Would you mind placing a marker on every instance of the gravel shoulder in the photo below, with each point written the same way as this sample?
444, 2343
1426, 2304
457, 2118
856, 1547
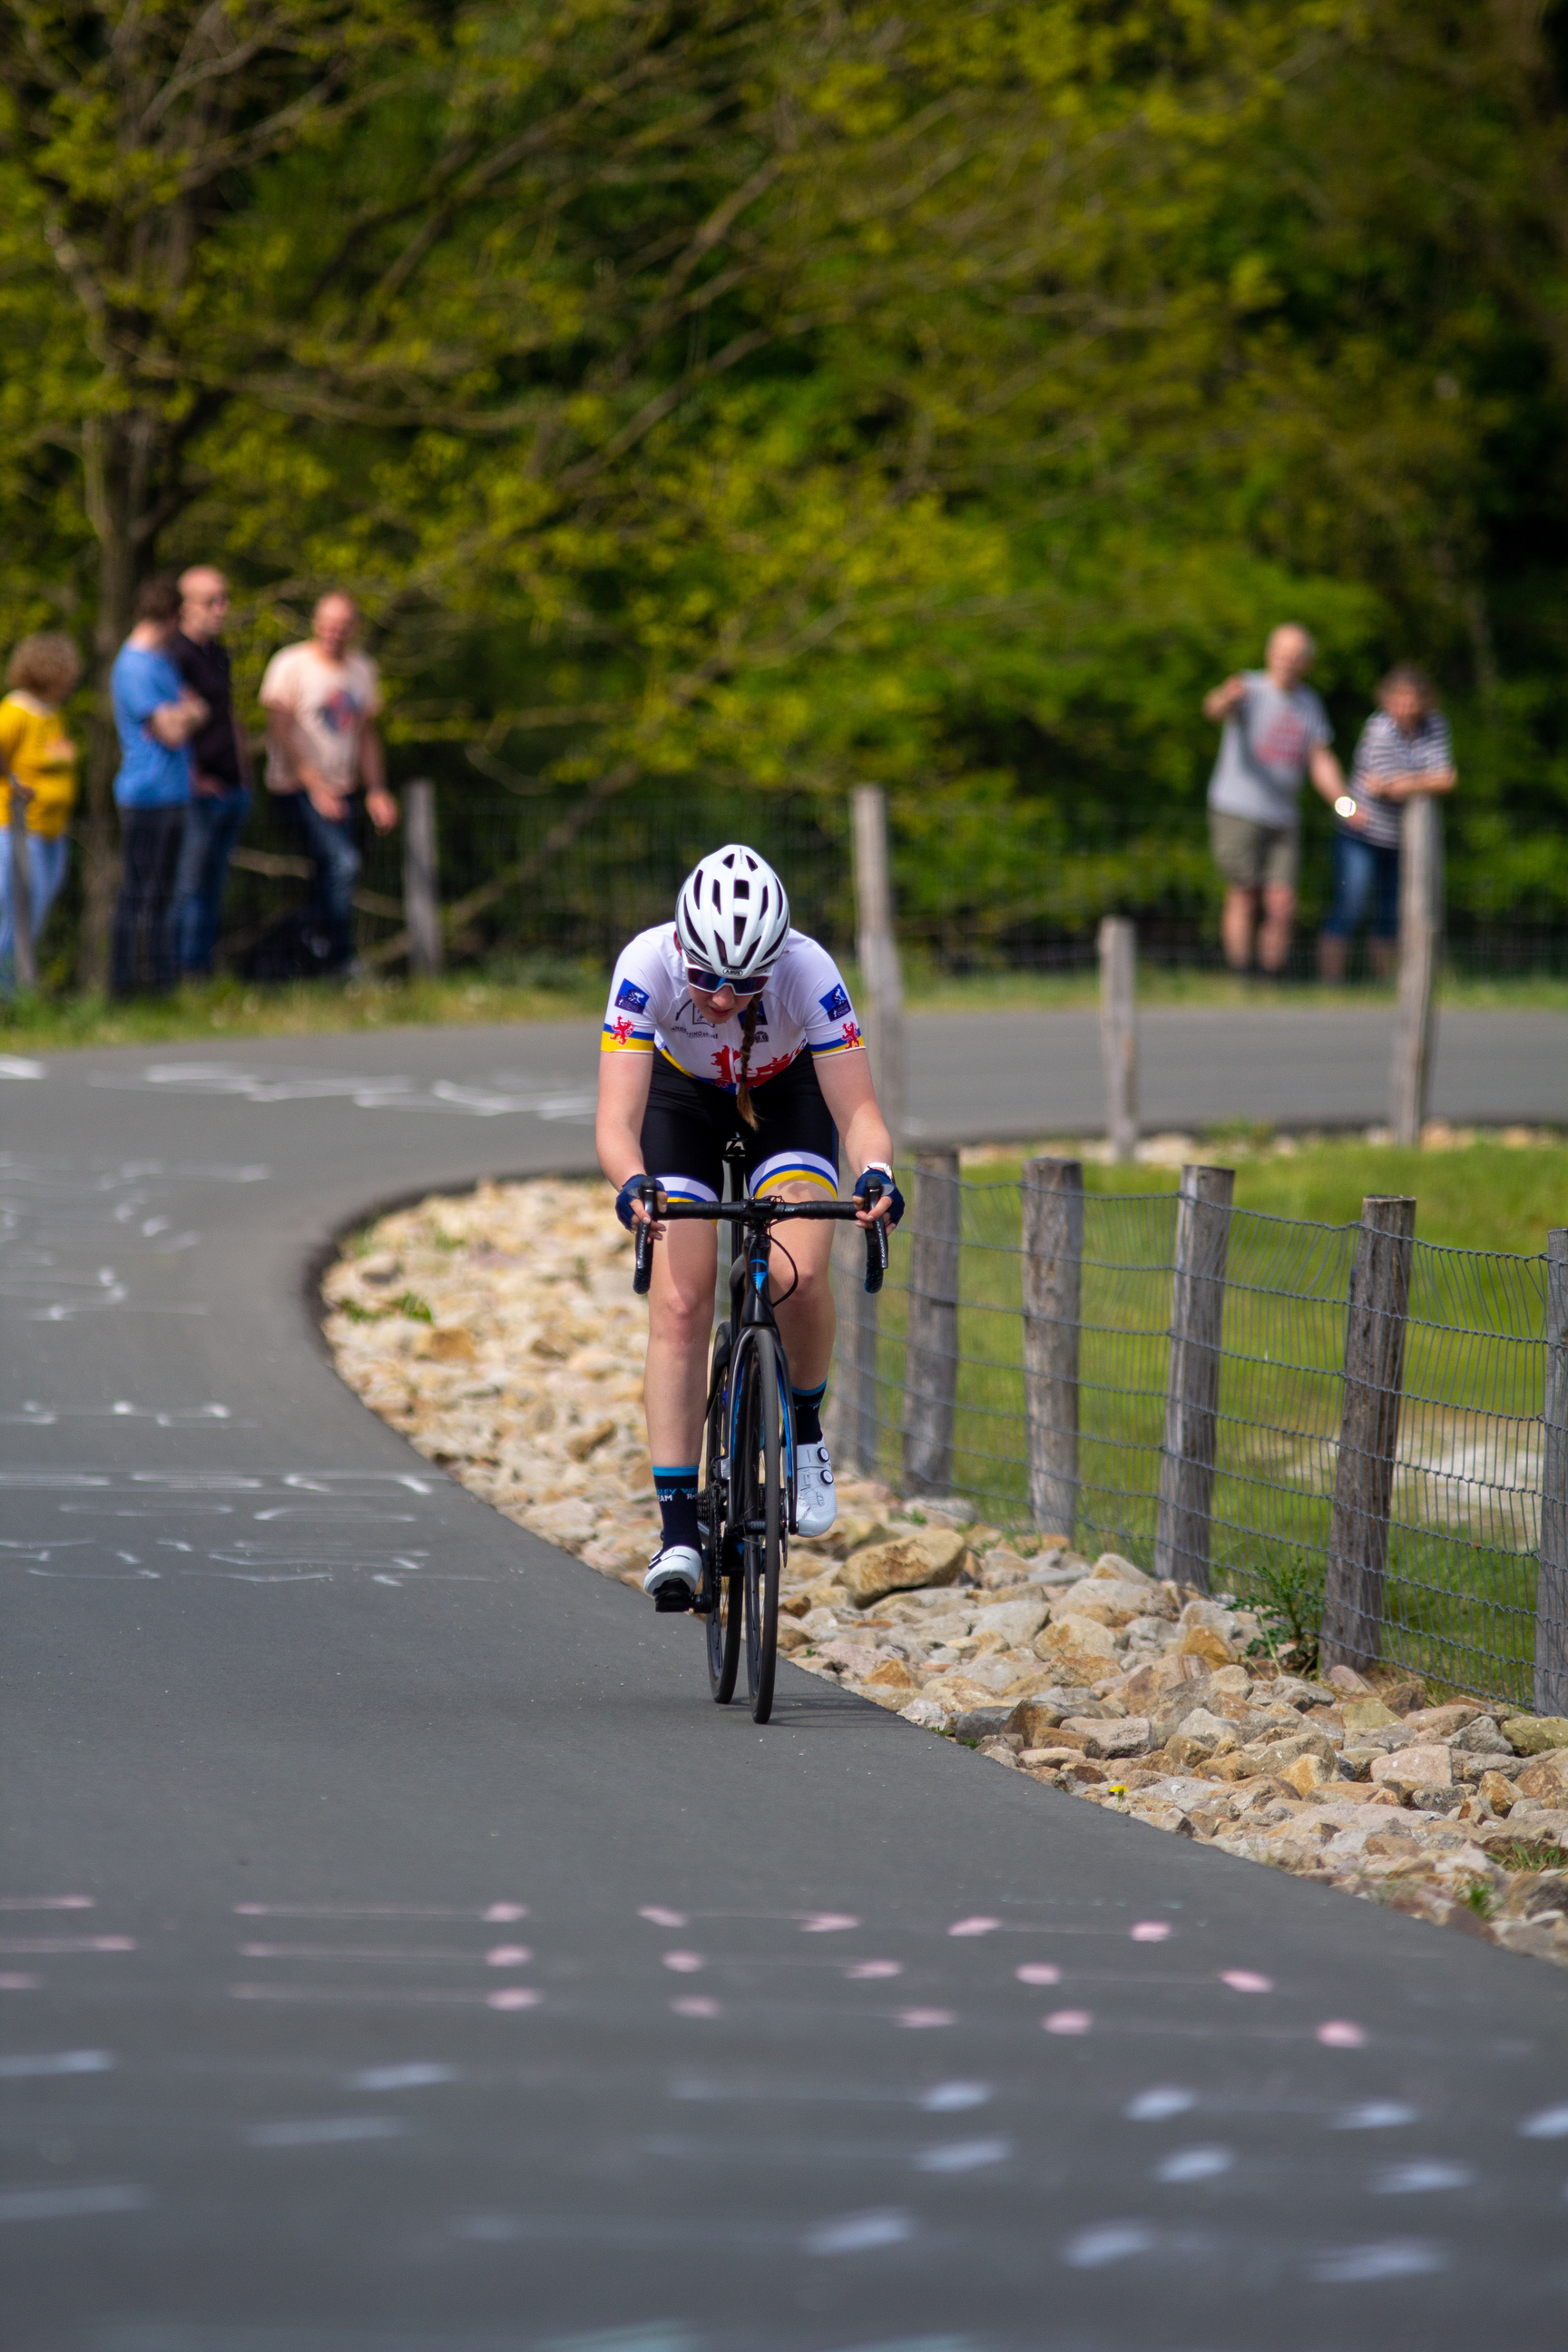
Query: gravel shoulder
498, 1331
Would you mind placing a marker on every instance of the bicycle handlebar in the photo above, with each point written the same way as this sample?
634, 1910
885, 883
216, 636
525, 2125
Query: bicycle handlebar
758, 1212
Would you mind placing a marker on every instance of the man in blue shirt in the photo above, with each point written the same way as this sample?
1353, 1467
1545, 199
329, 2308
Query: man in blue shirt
156, 715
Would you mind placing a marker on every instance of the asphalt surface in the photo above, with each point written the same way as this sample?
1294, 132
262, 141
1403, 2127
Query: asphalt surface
400, 1953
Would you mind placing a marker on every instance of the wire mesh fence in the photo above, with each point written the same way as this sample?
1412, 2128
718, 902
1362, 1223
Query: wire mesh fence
581, 900
1427, 1536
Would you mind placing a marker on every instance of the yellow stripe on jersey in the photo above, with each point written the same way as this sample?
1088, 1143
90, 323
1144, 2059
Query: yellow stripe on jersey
620, 1038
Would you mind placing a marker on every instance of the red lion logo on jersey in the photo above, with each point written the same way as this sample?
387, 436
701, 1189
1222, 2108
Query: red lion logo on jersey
851, 1034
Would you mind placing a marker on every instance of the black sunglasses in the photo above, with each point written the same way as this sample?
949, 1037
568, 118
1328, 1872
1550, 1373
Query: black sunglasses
711, 982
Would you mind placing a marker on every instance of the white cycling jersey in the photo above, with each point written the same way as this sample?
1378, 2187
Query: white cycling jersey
805, 1006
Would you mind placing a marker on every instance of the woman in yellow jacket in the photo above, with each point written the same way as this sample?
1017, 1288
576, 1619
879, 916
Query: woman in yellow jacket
38, 753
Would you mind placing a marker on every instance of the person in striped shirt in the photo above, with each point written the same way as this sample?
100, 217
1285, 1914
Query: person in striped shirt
1405, 749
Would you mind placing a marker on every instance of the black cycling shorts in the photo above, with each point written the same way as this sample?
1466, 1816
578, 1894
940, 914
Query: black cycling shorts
688, 1122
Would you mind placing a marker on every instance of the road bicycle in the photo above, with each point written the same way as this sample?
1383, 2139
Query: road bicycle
746, 1505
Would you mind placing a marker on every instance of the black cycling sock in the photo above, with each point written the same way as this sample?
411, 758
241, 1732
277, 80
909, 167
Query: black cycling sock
675, 1483
808, 1414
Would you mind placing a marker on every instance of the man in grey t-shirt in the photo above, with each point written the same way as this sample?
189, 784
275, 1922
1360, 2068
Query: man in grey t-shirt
1276, 731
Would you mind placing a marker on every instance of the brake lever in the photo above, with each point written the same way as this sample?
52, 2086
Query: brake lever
647, 1193
876, 1241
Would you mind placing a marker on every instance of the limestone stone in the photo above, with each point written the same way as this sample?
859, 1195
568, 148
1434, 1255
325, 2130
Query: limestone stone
927, 1713
1306, 1773
1014, 1622
1076, 1637
1498, 1791
1416, 1767
1533, 1734
1368, 1714
932, 1556
1129, 1737
1546, 1778
1202, 1641
1442, 1722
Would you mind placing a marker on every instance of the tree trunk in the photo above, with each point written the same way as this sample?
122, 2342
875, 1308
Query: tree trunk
112, 470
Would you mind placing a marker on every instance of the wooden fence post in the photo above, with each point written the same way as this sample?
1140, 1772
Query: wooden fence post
1118, 1032
1552, 1575
25, 961
1420, 931
1053, 1273
931, 1358
1369, 1432
881, 980
421, 886
1184, 1530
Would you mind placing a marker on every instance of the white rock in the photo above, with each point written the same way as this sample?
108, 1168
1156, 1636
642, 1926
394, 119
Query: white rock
1017, 1622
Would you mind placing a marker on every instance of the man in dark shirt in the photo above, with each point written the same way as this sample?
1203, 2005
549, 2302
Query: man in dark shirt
220, 763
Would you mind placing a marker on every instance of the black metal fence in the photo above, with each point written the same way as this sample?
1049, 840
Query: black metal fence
1361, 1430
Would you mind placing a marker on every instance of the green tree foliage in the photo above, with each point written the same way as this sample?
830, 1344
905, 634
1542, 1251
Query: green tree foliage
742, 398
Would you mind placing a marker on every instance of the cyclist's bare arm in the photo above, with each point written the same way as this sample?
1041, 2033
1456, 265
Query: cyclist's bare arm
851, 1098
623, 1083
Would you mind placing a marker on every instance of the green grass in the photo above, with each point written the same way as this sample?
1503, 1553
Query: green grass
538, 988
1459, 1603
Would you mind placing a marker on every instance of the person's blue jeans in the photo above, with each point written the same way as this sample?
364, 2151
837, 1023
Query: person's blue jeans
331, 844
48, 855
143, 948
1365, 873
213, 821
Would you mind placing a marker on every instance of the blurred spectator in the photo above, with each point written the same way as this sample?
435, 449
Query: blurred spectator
1405, 749
37, 751
1276, 731
321, 701
157, 714
220, 764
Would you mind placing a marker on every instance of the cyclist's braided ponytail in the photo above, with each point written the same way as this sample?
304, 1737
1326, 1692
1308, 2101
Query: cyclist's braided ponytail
749, 1020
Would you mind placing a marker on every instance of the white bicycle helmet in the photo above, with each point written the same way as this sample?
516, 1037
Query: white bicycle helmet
731, 916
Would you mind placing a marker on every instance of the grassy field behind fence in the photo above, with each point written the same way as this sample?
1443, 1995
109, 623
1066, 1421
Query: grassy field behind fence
1460, 1592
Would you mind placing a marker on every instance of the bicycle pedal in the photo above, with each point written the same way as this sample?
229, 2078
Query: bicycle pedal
672, 1600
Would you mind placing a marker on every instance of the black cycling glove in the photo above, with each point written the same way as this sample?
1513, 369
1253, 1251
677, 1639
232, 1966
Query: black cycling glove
884, 1178
629, 1192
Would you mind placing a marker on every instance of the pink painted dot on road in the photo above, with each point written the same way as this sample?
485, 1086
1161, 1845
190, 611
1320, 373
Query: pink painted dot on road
695, 2004
1150, 1931
12, 1981
866, 1971
924, 2017
501, 1914
1246, 1981
660, 1917
1339, 2033
1037, 1972
509, 1956
685, 1964
1069, 2020
514, 1997
828, 1923
978, 1926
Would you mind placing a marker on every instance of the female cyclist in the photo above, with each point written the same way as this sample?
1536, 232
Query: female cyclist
726, 1023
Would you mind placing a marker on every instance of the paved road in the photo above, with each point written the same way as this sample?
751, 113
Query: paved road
400, 1954
1022, 1074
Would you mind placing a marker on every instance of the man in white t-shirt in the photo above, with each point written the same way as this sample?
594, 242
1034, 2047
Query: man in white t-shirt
1276, 731
321, 699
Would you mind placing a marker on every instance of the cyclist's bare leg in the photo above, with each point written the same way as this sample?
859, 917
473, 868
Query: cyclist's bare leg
679, 1326
807, 1319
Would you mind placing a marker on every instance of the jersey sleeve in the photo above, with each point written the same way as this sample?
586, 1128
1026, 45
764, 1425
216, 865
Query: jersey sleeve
628, 1021
825, 1012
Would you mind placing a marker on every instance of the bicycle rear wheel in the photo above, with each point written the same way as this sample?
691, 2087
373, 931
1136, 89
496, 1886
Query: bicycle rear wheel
723, 1625
758, 1474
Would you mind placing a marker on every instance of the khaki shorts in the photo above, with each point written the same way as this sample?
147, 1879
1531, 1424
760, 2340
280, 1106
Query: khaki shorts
1254, 856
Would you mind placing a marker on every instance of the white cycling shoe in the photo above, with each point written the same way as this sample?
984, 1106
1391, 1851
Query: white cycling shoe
673, 1575
815, 1502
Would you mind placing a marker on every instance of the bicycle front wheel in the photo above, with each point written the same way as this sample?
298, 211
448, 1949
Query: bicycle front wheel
723, 1624
758, 1472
